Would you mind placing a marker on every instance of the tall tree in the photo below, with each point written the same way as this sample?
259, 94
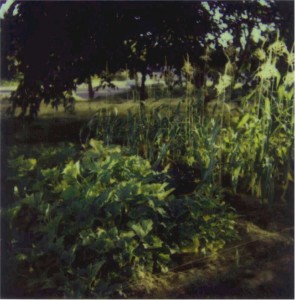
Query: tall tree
57, 45
53, 46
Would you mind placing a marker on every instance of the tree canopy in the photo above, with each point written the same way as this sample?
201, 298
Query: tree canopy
53, 46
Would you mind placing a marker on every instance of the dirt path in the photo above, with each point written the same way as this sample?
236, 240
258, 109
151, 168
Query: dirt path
260, 265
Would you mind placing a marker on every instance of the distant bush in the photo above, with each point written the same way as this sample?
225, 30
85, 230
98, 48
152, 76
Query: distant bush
121, 75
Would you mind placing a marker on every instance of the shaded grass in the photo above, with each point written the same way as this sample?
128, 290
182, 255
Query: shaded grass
86, 108
52, 126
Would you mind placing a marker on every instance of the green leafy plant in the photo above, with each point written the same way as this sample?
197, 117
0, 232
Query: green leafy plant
86, 227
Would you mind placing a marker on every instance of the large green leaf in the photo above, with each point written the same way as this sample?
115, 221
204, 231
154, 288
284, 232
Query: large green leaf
142, 228
51, 174
71, 192
96, 145
72, 170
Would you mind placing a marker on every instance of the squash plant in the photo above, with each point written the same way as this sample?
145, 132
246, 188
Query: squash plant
86, 227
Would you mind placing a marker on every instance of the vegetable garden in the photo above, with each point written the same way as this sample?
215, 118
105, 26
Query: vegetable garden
186, 197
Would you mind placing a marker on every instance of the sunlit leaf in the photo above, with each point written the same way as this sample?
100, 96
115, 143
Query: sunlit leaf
72, 170
243, 121
143, 228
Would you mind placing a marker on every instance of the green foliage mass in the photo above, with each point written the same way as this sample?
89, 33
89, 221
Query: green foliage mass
248, 140
90, 224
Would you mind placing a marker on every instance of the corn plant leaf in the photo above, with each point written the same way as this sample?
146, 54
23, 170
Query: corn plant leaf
250, 95
267, 109
244, 120
278, 79
281, 91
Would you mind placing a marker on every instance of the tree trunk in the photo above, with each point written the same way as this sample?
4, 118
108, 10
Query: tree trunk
143, 93
90, 88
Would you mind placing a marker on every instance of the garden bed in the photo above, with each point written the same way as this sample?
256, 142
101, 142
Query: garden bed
258, 265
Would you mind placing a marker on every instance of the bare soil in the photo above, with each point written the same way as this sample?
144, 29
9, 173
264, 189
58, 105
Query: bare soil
259, 265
